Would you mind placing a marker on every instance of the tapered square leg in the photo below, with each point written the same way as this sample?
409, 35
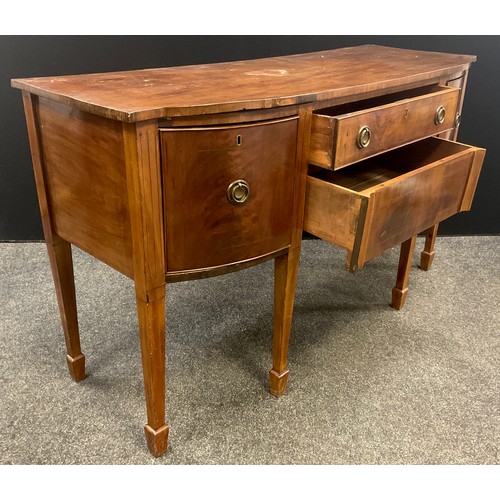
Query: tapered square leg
427, 255
400, 291
146, 216
59, 250
286, 266
61, 263
152, 338
285, 278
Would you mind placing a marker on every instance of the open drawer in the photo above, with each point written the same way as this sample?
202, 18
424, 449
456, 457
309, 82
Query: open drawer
348, 133
378, 203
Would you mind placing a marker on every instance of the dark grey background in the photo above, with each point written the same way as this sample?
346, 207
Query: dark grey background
28, 56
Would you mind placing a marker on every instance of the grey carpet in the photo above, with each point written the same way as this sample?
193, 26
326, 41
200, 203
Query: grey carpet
368, 385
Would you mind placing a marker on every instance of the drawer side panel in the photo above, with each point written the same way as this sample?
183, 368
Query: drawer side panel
321, 141
475, 170
332, 212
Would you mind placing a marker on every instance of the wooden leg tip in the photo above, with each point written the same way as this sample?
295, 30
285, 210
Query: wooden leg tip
398, 298
277, 382
157, 440
76, 367
426, 259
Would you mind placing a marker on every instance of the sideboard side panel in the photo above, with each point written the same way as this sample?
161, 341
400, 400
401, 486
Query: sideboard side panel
86, 182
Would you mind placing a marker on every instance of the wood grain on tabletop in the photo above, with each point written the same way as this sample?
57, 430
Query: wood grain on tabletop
251, 84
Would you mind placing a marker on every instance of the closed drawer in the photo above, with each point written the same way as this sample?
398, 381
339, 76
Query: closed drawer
228, 192
379, 203
349, 133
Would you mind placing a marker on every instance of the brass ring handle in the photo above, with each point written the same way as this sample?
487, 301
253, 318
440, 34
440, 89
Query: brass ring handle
458, 119
238, 192
364, 137
440, 115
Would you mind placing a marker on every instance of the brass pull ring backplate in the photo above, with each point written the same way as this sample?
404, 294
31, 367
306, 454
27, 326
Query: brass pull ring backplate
364, 137
238, 192
440, 115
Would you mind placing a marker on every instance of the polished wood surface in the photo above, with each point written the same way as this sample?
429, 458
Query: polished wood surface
134, 167
425, 195
244, 85
407, 191
393, 120
199, 165
86, 182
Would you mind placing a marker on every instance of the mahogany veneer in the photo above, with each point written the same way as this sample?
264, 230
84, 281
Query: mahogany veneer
372, 206
180, 173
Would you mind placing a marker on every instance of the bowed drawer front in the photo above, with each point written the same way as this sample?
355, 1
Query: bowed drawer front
228, 192
348, 133
376, 204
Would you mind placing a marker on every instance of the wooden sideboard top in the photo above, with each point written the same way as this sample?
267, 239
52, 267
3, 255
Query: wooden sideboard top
145, 94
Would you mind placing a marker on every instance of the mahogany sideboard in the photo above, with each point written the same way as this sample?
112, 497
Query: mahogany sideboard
182, 173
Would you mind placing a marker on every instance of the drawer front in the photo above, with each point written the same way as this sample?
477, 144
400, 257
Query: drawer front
379, 203
228, 192
340, 140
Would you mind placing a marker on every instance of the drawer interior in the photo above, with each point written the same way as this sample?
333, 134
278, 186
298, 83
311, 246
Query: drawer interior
367, 175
